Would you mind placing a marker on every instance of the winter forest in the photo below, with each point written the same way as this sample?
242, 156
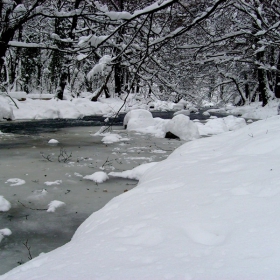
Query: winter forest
218, 50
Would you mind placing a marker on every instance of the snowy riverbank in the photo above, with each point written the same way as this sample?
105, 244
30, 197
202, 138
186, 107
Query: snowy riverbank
209, 211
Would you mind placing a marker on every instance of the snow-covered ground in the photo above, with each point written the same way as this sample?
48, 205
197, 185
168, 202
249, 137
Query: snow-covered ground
74, 108
209, 211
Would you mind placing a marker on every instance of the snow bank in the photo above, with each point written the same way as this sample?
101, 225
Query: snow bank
135, 173
6, 111
209, 211
72, 109
221, 125
5, 205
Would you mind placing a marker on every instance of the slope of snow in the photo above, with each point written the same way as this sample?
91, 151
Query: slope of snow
135, 173
209, 211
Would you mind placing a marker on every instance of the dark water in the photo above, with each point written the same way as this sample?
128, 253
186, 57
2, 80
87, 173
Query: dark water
53, 125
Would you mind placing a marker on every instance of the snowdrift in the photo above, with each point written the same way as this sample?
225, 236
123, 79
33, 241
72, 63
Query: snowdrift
209, 211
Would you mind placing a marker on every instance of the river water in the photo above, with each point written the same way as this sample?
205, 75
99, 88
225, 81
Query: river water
28, 156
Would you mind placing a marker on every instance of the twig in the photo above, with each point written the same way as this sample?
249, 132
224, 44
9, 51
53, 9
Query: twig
39, 209
28, 249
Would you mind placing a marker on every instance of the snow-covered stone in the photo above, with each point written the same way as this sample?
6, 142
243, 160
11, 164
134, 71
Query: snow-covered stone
182, 127
53, 141
138, 118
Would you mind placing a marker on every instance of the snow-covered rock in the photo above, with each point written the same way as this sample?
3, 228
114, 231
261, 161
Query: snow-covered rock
182, 127
97, 177
138, 118
53, 141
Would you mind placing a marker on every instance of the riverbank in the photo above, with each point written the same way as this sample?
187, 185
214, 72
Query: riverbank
31, 162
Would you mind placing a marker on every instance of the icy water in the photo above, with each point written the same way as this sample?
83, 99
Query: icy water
47, 177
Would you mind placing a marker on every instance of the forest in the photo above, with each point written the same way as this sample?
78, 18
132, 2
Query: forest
219, 50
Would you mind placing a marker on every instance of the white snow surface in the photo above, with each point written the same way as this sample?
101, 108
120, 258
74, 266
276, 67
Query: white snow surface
112, 138
135, 173
5, 205
209, 211
15, 182
53, 141
97, 177
53, 205
183, 127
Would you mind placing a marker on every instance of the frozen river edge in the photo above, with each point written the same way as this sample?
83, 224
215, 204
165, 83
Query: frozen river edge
48, 179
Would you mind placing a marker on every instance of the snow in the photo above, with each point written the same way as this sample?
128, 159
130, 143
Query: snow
15, 182
112, 138
97, 177
56, 182
53, 109
136, 173
5, 205
4, 232
53, 205
53, 141
138, 118
209, 211
183, 127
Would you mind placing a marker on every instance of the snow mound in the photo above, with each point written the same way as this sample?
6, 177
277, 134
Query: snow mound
6, 111
15, 182
97, 177
138, 118
182, 127
53, 141
135, 173
5, 205
4, 232
221, 125
53, 205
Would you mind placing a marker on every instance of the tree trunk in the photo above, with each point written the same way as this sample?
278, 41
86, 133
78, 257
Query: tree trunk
61, 87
